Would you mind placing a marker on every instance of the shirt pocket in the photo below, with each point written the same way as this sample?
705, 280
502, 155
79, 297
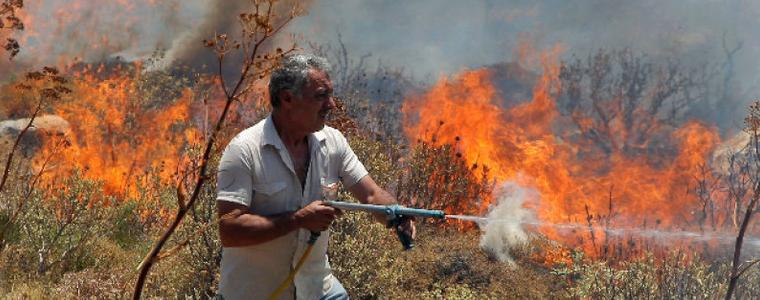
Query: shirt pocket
269, 198
329, 187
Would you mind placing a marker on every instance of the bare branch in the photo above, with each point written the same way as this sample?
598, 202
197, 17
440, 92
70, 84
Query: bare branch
752, 123
259, 24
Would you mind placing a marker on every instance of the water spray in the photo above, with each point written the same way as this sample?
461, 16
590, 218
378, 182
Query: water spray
495, 224
657, 234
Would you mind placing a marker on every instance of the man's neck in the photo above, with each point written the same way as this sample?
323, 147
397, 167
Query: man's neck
291, 137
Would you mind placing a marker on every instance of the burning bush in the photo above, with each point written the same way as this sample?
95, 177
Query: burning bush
605, 141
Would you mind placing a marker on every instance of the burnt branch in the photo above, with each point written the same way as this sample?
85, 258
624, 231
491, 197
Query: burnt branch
752, 123
46, 85
619, 100
259, 25
9, 20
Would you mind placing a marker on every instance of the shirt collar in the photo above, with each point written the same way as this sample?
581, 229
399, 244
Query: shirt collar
272, 138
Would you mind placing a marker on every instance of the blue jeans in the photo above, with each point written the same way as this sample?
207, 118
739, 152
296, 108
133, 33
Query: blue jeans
336, 292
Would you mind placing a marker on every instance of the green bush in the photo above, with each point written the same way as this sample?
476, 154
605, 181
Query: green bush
127, 227
59, 230
676, 276
363, 256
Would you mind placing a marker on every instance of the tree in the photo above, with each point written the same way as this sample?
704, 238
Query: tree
260, 23
752, 126
10, 21
619, 100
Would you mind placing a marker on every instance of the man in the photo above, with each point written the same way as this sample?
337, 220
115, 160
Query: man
270, 189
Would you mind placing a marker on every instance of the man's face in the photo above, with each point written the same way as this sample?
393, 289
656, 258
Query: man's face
311, 109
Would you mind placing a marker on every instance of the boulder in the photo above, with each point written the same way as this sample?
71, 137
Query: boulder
45, 125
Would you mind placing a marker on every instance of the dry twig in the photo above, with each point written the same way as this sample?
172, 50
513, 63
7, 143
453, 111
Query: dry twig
259, 25
752, 123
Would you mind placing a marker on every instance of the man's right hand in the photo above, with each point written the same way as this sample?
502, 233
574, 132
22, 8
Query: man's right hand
316, 216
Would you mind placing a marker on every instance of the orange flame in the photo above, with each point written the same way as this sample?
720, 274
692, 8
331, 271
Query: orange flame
531, 144
118, 137
60, 32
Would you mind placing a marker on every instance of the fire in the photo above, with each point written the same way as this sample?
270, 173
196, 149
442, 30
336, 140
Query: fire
120, 133
532, 143
57, 33
117, 136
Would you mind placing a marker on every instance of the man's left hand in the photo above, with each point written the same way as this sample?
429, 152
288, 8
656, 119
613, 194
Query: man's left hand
407, 226
405, 230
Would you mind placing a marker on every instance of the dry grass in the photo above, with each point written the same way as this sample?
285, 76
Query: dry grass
447, 263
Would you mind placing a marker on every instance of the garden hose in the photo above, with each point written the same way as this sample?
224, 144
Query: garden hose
285, 283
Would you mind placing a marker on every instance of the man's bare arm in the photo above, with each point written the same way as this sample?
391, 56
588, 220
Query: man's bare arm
367, 191
238, 227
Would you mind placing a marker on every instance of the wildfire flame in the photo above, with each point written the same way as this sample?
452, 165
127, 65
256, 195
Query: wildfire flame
117, 137
531, 143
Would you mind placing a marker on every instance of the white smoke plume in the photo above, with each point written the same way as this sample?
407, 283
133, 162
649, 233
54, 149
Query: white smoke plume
503, 232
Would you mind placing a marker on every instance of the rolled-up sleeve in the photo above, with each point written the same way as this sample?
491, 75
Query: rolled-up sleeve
352, 170
234, 182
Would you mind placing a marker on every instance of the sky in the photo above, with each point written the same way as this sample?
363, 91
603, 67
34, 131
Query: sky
441, 37
427, 38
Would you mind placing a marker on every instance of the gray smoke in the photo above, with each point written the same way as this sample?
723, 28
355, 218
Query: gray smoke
51, 124
433, 37
441, 37
503, 232
67, 32
427, 38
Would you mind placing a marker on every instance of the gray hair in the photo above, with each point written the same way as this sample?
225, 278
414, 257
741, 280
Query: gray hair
292, 72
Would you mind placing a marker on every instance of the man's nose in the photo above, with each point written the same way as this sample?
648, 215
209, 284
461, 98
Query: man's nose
330, 103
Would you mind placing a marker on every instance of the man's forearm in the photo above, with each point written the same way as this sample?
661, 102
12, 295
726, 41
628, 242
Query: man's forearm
367, 191
239, 229
381, 197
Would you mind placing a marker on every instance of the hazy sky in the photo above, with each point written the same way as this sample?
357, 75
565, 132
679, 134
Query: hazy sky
432, 37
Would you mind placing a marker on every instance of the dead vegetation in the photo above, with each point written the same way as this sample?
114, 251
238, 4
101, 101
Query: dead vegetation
10, 21
69, 239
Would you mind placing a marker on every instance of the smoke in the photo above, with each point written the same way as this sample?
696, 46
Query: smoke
221, 16
64, 32
438, 38
49, 123
503, 232
428, 38
441, 37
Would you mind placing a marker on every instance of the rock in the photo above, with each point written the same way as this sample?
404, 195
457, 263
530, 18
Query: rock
51, 124
46, 125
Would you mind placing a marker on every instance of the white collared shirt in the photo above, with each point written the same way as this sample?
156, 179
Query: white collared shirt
256, 171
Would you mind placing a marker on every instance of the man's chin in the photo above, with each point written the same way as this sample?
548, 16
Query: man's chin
319, 127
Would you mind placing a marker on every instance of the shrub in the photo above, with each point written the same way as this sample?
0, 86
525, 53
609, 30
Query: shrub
675, 276
58, 231
457, 291
438, 177
363, 256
